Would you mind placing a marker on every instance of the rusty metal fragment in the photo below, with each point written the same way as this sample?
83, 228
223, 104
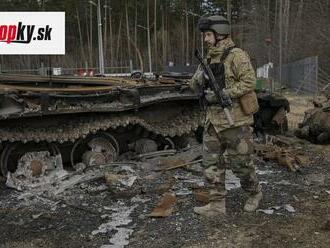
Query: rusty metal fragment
283, 156
175, 164
165, 206
202, 196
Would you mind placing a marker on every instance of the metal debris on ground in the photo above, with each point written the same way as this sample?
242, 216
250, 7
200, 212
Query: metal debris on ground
157, 154
266, 211
270, 210
289, 208
165, 206
188, 180
283, 156
137, 199
202, 196
195, 168
183, 192
193, 153
121, 178
79, 166
35, 170
53, 181
264, 172
175, 164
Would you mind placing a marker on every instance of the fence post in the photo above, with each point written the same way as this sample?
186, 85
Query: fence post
317, 73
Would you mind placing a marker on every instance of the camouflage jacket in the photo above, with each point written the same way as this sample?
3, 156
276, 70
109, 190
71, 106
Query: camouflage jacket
240, 79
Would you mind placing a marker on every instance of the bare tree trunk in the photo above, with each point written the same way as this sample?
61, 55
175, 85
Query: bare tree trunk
87, 34
118, 40
268, 17
111, 38
149, 41
280, 39
242, 26
163, 37
128, 32
182, 41
286, 28
105, 33
155, 34
276, 13
138, 52
297, 21
135, 33
194, 39
168, 47
166, 36
80, 37
229, 10
187, 34
91, 34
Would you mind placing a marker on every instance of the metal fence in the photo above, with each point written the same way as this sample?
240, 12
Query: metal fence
303, 76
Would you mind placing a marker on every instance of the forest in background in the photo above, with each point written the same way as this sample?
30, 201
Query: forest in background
298, 28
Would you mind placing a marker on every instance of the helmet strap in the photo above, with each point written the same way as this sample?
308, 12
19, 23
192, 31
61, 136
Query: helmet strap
217, 39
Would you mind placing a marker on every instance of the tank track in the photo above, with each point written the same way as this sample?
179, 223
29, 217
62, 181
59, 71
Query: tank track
55, 129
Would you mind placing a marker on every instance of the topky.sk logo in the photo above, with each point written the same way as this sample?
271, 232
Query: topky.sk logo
32, 33
21, 33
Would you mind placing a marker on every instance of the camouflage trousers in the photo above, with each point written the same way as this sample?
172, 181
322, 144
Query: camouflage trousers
232, 149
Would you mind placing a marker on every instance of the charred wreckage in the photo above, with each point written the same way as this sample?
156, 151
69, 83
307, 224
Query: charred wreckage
93, 120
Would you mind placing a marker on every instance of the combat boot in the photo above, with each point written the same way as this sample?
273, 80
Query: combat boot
213, 209
252, 202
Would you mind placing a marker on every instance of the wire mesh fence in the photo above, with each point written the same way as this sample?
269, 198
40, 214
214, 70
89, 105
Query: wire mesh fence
303, 76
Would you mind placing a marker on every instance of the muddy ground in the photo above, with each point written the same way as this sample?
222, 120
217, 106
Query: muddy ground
92, 214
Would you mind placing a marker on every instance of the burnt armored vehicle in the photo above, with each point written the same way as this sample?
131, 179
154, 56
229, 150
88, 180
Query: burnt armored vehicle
315, 126
91, 120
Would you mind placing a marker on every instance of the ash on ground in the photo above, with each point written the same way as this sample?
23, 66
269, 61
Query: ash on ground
148, 202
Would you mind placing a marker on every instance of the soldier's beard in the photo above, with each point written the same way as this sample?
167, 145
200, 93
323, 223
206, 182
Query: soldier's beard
209, 45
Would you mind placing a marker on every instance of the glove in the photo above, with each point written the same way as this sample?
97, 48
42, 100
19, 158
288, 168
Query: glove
226, 100
210, 97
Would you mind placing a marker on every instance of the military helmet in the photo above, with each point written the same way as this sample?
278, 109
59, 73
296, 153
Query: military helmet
216, 23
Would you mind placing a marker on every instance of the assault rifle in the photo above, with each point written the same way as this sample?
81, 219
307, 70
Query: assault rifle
222, 98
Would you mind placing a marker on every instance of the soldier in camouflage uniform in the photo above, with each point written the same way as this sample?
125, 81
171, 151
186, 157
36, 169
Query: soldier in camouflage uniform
226, 146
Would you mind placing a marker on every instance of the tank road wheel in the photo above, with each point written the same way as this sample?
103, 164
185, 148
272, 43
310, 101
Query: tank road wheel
13, 152
96, 149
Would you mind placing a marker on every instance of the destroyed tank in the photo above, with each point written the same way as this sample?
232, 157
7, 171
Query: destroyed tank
315, 126
91, 120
